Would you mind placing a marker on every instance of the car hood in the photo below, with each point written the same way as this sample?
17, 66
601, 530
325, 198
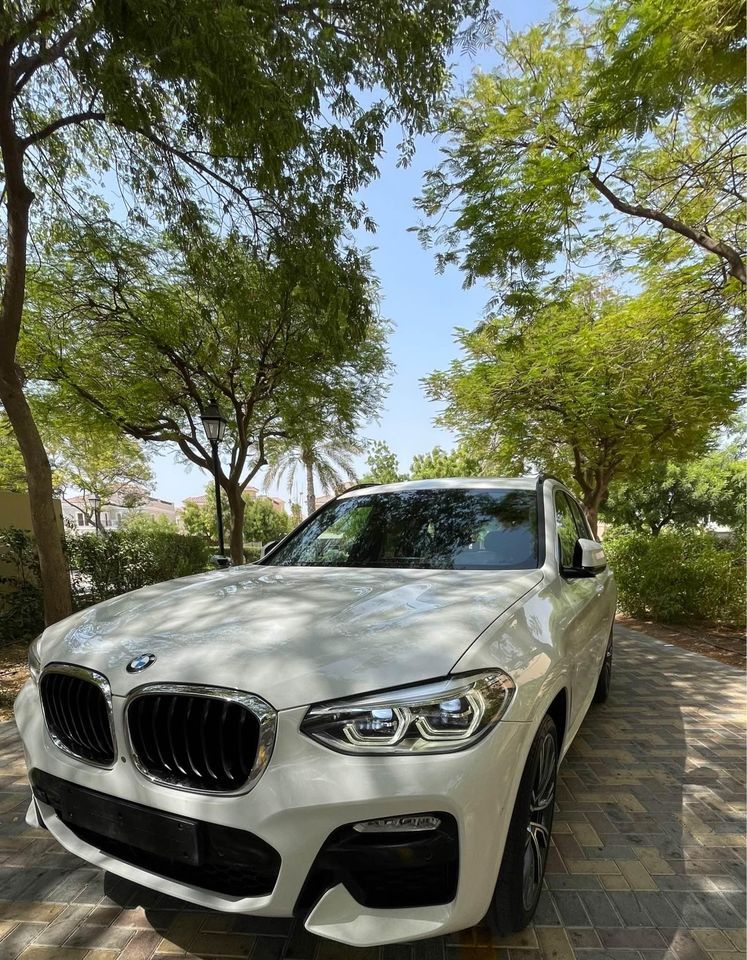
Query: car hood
292, 635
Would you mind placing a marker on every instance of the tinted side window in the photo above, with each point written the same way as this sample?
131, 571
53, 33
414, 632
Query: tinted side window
566, 527
582, 524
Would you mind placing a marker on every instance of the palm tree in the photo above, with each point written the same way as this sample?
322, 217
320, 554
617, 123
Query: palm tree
330, 462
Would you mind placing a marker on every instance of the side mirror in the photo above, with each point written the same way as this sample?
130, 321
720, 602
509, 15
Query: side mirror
589, 556
266, 547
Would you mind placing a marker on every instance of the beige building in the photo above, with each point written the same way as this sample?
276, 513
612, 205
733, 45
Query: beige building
78, 512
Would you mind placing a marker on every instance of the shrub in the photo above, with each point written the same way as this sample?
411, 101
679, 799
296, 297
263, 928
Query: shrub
135, 556
679, 575
252, 552
21, 610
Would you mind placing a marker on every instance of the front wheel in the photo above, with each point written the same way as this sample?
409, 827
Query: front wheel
605, 674
519, 885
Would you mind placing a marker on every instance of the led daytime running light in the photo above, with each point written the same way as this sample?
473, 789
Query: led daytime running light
438, 716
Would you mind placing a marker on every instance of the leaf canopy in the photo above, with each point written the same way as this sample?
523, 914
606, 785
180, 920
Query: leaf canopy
596, 385
597, 139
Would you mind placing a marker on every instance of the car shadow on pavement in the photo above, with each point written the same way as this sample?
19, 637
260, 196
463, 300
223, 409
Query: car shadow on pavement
648, 855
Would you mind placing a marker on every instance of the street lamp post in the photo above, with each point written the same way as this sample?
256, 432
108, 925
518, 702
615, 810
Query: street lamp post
95, 503
214, 424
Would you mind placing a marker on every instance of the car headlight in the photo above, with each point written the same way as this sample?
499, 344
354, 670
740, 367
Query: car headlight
434, 717
34, 659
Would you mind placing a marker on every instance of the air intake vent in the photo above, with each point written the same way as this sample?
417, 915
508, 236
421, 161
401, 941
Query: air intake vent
77, 709
205, 739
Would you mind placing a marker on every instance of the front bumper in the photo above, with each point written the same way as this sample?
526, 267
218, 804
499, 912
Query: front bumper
303, 798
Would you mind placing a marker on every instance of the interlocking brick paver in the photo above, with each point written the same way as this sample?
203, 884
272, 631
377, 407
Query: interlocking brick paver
648, 861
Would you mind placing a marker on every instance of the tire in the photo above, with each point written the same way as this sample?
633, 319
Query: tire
519, 885
605, 674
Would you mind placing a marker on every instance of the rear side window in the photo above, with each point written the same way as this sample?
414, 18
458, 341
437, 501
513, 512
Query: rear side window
566, 527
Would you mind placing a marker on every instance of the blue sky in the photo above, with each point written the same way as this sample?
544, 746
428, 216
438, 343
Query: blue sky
424, 306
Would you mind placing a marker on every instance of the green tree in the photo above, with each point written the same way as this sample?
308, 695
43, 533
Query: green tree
101, 461
263, 523
383, 465
438, 463
271, 114
328, 461
198, 520
711, 488
594, 387
287, 345
621, 126
86, 455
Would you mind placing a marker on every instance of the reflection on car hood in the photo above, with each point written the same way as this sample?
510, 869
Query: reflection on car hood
293, 635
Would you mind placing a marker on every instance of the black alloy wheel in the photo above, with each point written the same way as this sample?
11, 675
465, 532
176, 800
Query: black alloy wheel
541, 807
519, 884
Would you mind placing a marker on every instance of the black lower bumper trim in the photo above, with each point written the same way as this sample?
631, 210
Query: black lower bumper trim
387, 870
194, 852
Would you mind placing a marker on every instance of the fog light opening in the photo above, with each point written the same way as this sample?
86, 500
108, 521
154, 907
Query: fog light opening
415, 823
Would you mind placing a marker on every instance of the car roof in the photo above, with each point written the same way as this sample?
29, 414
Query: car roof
448, 483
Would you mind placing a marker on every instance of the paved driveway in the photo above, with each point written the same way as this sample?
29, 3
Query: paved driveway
648, 863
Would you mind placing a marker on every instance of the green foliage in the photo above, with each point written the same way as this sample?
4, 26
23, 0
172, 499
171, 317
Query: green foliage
596, 386
94, 455
265, 118
440, 463
12, 468
199, 519
127, 559
21, 613
262, 522
613, 132
273, 114
661, 53
86, 453
679, 576
383, 465
711, 488
326, 460
289, 343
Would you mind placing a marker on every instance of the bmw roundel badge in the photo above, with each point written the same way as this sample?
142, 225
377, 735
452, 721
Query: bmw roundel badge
141, 662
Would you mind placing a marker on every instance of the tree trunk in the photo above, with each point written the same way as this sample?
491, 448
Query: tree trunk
591, 503
592, 515
310, 492
55, 578
238, 508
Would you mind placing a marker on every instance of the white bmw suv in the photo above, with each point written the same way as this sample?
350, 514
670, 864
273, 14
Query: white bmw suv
362, 730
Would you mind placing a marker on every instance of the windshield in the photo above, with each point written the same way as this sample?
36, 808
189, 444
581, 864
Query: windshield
451, 529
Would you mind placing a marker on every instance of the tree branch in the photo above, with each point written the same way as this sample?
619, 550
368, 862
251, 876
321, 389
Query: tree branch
700, 237
73, 118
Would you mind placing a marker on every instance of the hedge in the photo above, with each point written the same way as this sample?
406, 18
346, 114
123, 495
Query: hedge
679, 575
101, 567
21, 612
124, 560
